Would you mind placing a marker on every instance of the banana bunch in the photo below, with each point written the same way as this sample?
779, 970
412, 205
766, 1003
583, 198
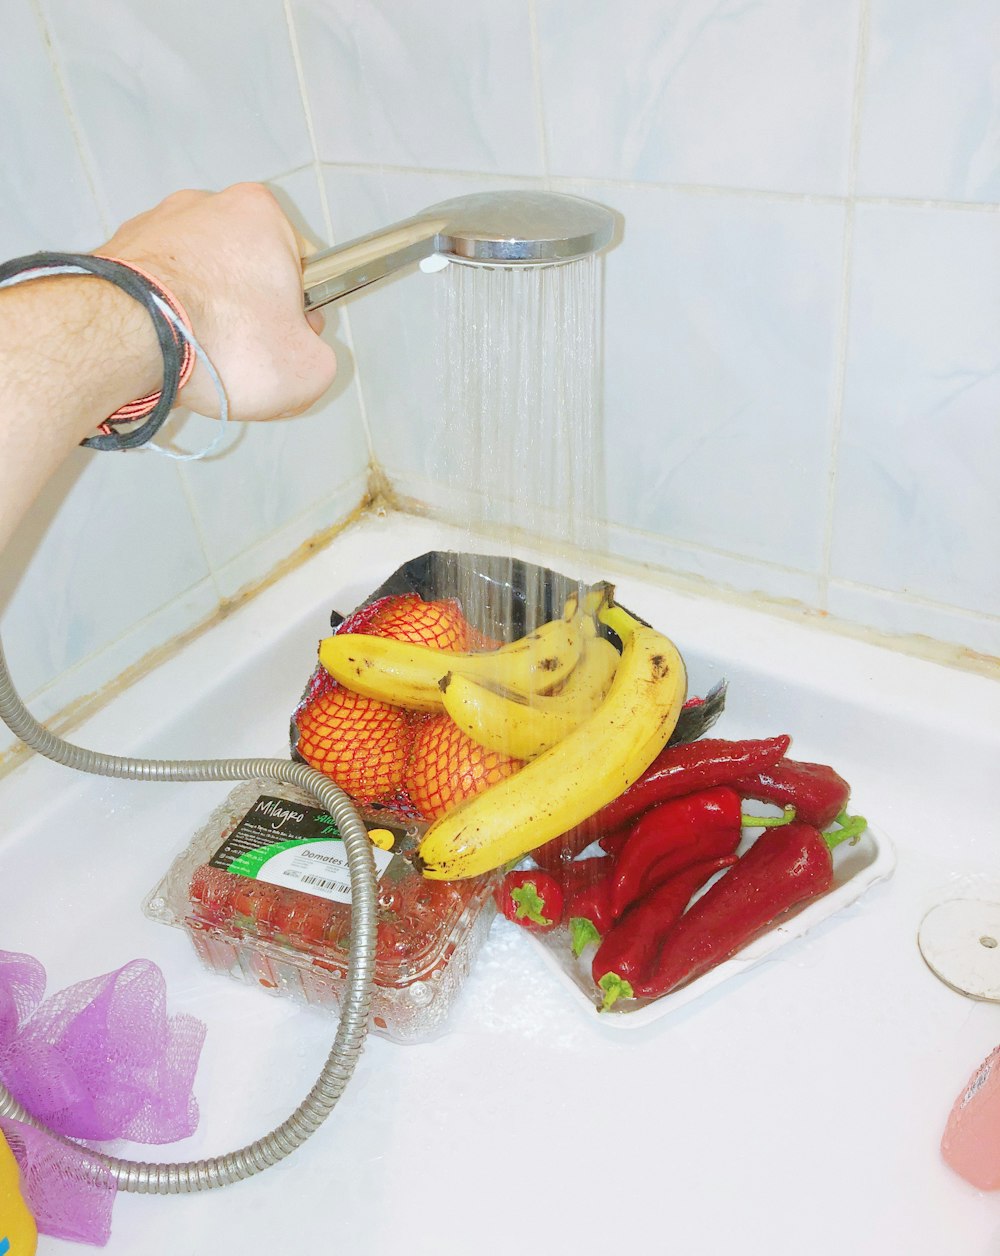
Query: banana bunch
577, 775
526, 727
414, 676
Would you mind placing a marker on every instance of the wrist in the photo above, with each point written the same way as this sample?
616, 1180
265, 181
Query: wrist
181, 336
102, 354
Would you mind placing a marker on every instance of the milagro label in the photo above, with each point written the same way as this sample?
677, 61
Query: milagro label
295, 846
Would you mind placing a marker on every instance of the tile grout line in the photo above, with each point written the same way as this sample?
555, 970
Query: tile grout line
686, 189
317, 167
343, 497
75, 126
843, 330
59, 679
915, 600
750, 563
765, 565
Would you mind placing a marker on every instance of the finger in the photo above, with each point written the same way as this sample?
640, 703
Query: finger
316, 321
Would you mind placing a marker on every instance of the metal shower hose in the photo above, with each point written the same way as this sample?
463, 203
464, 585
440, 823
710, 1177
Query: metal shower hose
200, 1175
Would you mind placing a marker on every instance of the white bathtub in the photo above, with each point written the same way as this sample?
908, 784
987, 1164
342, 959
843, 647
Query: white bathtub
794, 1109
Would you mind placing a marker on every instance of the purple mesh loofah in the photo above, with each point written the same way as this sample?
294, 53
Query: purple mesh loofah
98, 1061
69, 1195
102, 1060
22, 984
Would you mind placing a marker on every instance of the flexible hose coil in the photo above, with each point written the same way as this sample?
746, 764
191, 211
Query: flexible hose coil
201, 1175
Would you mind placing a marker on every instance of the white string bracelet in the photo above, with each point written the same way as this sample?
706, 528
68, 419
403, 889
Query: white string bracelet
213, 375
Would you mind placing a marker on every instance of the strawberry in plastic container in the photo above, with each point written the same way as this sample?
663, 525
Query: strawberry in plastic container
412, 912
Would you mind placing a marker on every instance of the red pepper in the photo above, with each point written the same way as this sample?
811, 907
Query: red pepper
783, 868
667, 838
614, 843
816, 791
632, 945
580, 874
531, 898
588, 906
676, 771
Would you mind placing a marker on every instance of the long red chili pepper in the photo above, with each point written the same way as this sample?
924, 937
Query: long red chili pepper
677, 770
783, 868
580, 874
631, 946
815, 790
683, 831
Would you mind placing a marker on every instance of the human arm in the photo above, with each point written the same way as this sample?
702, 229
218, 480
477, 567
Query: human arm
73, 349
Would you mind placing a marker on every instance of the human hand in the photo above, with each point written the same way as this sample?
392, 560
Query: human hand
233, 260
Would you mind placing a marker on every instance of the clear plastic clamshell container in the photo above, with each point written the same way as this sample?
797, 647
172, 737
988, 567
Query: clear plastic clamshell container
263, 891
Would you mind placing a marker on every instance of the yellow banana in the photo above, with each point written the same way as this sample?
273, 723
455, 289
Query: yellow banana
588, 683
615, 617
411, 675
523, 728
587, 769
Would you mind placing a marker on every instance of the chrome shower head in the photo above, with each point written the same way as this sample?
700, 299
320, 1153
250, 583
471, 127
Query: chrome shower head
486, 229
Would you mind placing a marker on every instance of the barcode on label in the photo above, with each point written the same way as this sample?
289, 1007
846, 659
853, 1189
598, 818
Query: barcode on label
321, 883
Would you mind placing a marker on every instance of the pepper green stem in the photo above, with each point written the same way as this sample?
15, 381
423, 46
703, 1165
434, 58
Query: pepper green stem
769, 822
850, 830
614, 989
582, 932
529, 905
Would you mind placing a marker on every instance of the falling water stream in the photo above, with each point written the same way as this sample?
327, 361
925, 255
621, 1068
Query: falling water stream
520, 440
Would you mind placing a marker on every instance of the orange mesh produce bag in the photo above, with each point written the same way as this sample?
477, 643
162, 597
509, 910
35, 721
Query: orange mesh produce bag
366, 745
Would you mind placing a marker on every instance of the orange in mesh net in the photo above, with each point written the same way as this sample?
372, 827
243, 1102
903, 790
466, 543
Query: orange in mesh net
359, 742
407, 617
446, 767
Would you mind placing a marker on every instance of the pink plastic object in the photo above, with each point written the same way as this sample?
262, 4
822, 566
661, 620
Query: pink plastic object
100, 1060
971, 1141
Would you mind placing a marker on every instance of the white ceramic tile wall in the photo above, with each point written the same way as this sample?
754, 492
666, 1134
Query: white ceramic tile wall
920, 440
932, 101
802, 323
179, 95
440, 84
47, 199
721, 374
724, 94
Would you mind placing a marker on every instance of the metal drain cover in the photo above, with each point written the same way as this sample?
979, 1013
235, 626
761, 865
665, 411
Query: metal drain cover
960, 942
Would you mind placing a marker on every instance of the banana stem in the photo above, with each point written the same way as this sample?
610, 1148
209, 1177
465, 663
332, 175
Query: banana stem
621, 623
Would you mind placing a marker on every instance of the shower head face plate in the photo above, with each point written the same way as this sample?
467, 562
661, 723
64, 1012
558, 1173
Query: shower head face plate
508, 229
521, 228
